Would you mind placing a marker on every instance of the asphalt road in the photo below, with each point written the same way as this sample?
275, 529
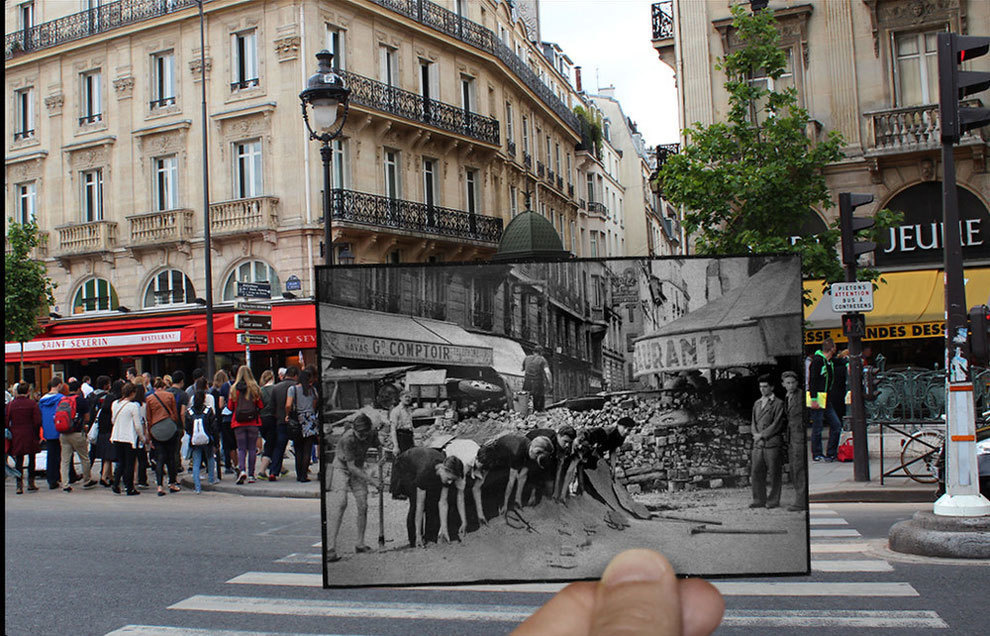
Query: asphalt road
93, 563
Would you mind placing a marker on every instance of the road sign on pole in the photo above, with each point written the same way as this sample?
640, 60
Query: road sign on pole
253, 322
254, 290
252, 305
248, 339
848, 297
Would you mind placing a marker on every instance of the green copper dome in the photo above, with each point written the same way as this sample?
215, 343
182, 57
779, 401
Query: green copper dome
529, 236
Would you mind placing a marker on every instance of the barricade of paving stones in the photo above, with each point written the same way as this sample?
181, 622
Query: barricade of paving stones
679, 442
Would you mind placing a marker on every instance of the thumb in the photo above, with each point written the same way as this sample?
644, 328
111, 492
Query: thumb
638, 595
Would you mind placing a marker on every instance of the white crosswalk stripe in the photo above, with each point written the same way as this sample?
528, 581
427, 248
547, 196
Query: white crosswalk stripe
835, 552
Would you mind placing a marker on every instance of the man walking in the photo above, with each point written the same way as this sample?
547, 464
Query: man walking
280, 393
768, 433
75, 440
536, 375
821, 377
794, 411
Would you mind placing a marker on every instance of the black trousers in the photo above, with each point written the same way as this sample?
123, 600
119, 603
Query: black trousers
165, 455
432, 514
303, 449
126, 456
141, 459
405, 439
19, 466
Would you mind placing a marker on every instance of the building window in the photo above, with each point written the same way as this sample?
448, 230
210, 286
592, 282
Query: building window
513, 202
467, 93
429, 182
170, 287
607, 130
388, 65
92, 105
96, 294
24, 114
573, 249
916, 68
427, 81
252, 272
25, 15
510, 132
339, 163
244, 60
162, 80
391, 166
591, 188
27, 198
247, 175
471, 180
166, 183
92, 195
335, 44
525, 134
569, 179
556, 152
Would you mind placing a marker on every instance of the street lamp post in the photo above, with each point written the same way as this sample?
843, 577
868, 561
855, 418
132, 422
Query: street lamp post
324, 95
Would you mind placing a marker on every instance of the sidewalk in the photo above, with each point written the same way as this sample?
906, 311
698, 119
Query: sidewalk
827, 482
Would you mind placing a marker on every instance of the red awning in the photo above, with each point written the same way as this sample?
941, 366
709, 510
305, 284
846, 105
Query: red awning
293, 328
104, 345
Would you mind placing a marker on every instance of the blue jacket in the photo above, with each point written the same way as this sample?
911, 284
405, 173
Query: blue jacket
47, 403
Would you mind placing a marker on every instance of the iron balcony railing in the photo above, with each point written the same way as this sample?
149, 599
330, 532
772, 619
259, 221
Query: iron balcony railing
595, 206
384, 212
664, 152
445, 21
539, 169
512, 148
23, 134
384, 301
244, 84
90, 119
161, 103
570, 190
92, 21
527, 160
380, 96
663, 20
560, 182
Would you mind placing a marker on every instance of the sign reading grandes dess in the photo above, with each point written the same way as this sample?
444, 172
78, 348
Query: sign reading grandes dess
96, 342
393, 350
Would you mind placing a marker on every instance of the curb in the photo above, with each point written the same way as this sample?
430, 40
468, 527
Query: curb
257, 489
903, 495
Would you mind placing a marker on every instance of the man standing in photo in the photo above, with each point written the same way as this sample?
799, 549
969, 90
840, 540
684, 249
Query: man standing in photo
536, 377
794, 411
768, 440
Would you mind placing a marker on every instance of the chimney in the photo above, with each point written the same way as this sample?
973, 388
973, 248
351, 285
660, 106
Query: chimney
577, 78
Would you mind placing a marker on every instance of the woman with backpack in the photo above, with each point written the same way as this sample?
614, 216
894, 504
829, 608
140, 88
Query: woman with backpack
165, 434
246, 405
201, 426
269, 431
103, 448
300, 408
127, 434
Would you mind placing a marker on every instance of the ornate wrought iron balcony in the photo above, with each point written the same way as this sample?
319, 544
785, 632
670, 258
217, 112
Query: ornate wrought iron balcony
20, 135
380, 96
560, 183
90, 119
431, 309
157, 228
512, 148
539, 169
528, 160
445, 21
241, 216
161, 103
663, 20
912, 128
379, 211
86, 238
570, 190
597, 208
99, 19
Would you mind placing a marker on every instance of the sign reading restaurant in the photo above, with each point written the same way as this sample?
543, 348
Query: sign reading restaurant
738, 346
394, 350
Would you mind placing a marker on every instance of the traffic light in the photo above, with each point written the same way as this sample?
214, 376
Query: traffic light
853, 325
954, 84
979, 338
851, 248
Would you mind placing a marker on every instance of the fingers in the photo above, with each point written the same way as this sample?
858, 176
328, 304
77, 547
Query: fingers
702, 607
638, 595
566, 614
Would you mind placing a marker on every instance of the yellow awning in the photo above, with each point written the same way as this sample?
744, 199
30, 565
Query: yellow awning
905, 305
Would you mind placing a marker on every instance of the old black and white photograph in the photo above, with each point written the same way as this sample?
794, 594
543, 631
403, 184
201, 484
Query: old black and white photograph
528, 421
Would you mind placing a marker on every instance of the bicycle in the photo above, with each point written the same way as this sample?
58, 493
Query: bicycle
920, 454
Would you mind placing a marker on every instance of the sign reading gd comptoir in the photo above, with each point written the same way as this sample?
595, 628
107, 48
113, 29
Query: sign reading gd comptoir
392, 349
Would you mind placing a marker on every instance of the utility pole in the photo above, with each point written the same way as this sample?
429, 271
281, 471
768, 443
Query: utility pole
962, 491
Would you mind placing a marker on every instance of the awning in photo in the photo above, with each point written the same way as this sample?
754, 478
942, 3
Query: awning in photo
508, 357
749, 325
371, 335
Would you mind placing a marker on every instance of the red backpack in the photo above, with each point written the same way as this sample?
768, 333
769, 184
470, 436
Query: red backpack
65, 414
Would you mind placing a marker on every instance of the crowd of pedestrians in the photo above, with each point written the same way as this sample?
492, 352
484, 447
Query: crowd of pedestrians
162, 424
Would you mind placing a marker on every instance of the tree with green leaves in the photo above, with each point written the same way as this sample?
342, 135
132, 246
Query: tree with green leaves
750, 182
28, 292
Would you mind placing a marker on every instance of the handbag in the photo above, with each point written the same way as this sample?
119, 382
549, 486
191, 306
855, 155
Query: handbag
294, 426
94, 432
165, 429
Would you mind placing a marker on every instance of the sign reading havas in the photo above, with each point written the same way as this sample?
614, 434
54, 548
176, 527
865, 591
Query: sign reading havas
919, 238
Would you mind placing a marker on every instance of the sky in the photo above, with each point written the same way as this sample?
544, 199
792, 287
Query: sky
612, 40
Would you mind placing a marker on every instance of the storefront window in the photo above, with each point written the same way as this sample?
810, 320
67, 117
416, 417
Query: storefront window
252, 272
96, 294
169, 287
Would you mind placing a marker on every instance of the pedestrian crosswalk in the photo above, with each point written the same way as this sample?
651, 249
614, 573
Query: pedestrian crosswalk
850, 588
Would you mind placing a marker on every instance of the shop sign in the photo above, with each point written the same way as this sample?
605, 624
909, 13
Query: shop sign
934, 329
700, 350
97, 342
394, 350
625, 288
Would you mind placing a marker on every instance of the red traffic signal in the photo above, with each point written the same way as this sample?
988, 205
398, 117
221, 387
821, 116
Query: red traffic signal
853, 325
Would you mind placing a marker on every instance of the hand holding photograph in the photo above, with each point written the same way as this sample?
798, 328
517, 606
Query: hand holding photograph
528, 421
